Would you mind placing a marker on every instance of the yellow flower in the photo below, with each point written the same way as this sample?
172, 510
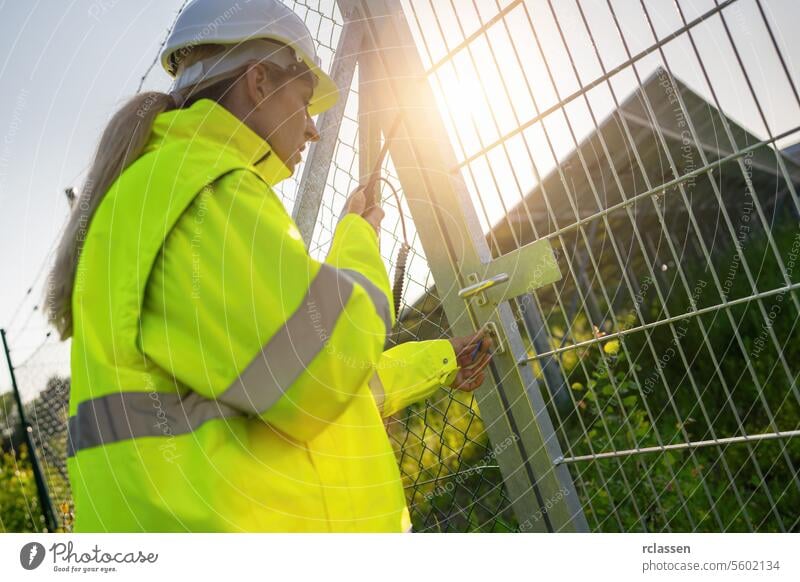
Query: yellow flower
611, 348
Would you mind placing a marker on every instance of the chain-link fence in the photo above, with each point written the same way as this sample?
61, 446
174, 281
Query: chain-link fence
27, 504
451, 478
447, 464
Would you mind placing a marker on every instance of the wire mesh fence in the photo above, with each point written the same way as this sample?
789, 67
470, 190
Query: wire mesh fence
666, 352
649, 143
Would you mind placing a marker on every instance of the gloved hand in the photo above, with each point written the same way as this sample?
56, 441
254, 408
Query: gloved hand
357, 204
473, 354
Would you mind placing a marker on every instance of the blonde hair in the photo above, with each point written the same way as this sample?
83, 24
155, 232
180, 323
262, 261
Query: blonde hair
121, 144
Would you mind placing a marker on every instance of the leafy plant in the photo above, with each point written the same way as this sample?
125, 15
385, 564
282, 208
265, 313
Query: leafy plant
19, 502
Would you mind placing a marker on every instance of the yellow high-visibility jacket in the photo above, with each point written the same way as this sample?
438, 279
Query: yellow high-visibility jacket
222, 379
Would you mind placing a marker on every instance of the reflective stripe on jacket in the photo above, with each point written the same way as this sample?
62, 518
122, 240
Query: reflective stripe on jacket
223, 380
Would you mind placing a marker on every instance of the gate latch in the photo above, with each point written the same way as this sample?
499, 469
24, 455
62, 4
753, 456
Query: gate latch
477, 287
513, 274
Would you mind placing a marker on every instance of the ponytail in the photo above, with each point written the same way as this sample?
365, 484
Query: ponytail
121, 144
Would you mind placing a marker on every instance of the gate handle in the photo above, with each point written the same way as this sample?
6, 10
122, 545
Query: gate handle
481, 286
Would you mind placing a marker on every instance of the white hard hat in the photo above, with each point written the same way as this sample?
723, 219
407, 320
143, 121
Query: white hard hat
256, 30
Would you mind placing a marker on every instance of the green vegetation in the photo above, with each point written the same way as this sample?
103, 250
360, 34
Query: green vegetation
647, 398
19, 502
20, 510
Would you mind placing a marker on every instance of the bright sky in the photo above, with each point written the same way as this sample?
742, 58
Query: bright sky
65, 66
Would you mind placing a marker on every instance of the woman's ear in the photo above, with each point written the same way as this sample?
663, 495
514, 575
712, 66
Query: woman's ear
258, 83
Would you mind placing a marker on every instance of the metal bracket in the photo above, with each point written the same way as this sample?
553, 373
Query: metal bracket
521, 271
478, 290
499, 347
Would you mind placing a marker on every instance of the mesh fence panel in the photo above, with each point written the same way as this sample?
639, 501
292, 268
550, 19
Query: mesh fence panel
667, 352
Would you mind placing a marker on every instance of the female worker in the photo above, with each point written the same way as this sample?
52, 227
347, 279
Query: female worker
223, 380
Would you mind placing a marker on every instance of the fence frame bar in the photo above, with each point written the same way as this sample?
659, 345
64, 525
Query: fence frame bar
786, 434
320, 155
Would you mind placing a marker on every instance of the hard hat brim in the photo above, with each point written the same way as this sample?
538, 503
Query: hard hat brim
325, 95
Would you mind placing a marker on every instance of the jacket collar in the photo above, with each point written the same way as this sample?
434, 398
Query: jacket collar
210, 121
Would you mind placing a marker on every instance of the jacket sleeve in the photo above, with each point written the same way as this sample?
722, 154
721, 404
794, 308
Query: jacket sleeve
237, 310
411, 372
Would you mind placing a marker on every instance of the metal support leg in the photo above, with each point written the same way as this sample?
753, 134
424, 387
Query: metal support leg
551, 367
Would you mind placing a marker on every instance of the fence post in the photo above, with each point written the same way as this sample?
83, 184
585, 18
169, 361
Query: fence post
551, 368
320, 154
41, 485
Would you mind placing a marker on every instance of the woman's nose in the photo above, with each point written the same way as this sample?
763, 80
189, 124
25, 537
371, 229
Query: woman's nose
311, 130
